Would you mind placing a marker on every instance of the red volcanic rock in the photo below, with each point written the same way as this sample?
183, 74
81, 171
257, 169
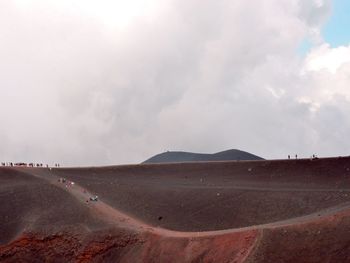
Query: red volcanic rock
31, 247
322, 239
233, 247
65, 247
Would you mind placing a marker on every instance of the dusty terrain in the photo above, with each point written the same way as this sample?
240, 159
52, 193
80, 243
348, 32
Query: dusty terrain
237, 211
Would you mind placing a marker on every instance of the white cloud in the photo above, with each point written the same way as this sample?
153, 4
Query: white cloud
328, 58
205, 76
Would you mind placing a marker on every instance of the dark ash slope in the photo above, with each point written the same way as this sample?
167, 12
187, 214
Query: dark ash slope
29, 203
218, 195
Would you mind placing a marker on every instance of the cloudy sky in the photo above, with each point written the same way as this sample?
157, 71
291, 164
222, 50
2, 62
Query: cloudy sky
86, 82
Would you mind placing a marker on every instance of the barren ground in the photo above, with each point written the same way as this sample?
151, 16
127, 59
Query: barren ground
238, 211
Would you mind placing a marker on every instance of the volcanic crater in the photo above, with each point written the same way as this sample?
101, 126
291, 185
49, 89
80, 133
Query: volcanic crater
210, 211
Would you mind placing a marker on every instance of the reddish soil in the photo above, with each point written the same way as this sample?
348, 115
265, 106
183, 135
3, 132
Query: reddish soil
240, 211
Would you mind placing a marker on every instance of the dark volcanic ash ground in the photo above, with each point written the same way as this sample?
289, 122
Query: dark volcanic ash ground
232, 211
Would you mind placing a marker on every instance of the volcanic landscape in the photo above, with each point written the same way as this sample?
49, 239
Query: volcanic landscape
206, 211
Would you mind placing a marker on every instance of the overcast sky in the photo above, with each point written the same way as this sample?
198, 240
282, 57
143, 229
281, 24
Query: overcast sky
85, 82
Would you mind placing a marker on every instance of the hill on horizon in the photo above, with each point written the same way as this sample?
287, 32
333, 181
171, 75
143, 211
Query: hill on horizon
180, 156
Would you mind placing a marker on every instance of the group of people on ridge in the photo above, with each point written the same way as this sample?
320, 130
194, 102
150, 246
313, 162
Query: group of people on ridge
11, 164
